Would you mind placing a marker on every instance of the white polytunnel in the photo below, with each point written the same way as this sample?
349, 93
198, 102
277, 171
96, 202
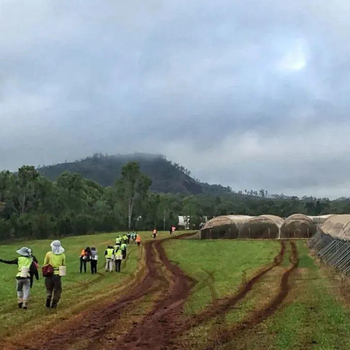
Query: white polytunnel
335, 224
298, 226
263, 226
227, 226
320, 219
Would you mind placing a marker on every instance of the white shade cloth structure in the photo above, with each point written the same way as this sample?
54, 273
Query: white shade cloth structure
226, 226
263, 226
335, 225
298, 226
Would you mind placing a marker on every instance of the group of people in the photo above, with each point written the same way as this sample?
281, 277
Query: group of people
53, 269
114, 255
155, 231
134, 237
88, 255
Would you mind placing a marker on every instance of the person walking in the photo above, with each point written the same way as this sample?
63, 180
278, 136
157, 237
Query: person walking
25, 265
154, 234
138, 239
109, 255
123, 248
85, 257
134, 237
118, 240
57, 259
94, 259
118, 255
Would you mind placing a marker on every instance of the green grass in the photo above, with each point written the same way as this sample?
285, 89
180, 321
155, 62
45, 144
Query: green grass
312, 316
78, 289
218, 266
314, 319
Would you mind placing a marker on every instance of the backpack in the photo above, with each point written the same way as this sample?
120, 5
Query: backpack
47, 270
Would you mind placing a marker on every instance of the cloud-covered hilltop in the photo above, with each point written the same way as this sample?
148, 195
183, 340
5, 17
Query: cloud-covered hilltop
166, 176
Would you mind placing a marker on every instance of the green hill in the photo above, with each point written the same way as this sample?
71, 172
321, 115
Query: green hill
167, 177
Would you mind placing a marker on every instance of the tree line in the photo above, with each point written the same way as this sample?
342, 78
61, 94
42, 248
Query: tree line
31, 206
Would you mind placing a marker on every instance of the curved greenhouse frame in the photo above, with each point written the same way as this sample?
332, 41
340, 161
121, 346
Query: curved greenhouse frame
263, 226
335, 224
298, 226
224, 227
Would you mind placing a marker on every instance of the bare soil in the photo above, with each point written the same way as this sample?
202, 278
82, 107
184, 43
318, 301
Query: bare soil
149, 315
158, 328
159, 278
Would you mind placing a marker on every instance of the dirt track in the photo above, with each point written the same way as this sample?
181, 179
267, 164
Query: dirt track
102, 327
226, 304
223, 306
230, 333
156, 331
88, 329
159, 329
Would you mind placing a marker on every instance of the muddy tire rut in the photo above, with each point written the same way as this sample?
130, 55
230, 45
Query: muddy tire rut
229, 334
156, 330
223, 306
159, 278
219, 308
164, 287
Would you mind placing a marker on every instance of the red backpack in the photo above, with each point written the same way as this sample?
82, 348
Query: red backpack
47, 270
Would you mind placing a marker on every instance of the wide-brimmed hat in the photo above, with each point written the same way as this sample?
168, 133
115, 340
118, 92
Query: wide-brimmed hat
24, 251
57, 247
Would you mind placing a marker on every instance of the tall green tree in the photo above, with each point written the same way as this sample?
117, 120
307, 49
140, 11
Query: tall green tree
132, 187
25, 190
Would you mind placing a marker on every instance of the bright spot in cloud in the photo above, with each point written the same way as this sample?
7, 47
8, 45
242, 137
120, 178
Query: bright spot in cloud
295, 59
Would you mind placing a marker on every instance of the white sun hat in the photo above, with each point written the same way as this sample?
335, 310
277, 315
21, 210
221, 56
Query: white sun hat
24, 251
57, 247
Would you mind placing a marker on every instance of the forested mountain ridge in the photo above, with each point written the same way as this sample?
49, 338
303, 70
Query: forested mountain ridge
166, 176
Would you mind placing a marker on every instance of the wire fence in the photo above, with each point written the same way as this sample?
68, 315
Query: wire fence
332, 251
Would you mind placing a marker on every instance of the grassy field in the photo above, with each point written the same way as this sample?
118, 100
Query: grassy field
313, 313
79, 290
313, 316
219, 266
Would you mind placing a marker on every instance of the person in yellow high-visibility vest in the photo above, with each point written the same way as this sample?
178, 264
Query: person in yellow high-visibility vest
125, 238
109, 255
56, 258
124, 248
26, 267
118, 256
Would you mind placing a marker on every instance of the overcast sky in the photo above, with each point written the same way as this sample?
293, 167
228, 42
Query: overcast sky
251, 94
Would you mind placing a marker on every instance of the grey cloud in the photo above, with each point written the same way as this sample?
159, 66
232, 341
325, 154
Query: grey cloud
217, 86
